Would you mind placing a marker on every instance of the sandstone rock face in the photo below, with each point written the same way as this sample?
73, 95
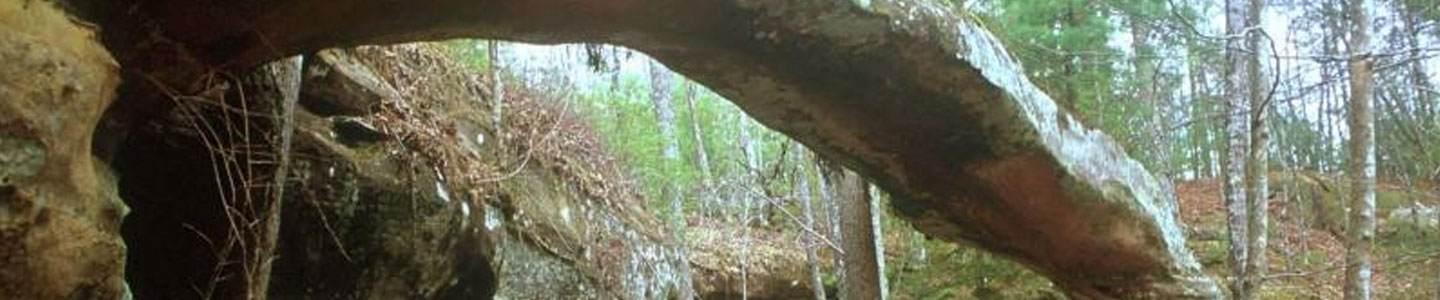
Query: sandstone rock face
59, 215
363, 222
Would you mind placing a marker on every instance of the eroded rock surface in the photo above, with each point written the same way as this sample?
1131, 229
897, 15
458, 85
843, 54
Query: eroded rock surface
59, 215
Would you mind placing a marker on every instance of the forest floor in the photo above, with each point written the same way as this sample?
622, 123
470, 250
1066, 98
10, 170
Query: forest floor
1306, 257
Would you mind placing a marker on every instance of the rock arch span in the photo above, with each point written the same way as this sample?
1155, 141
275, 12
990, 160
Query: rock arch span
917, 98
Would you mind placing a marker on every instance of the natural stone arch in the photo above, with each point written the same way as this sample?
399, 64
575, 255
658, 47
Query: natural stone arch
917, 98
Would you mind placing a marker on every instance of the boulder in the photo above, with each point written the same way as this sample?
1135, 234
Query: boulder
335, 84
59, 214
1412, 218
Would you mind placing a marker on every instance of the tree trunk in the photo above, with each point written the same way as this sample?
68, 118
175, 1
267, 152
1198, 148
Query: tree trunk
497, 91
877, 230
660, 84
802, 178
862, 270
828, 196
1258, 227
745, 250
1148, 78
660, 79
702, 159
751, 174
1420, 85
284, 78
1200, 160
1336, 100
752, 147
1193, 157
1362, 157
1323, 150
753, 164
1237, 134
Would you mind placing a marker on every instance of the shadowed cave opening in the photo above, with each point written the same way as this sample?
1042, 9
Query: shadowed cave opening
177, 222
339, 226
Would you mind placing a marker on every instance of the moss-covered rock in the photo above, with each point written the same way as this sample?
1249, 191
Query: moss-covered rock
375, 222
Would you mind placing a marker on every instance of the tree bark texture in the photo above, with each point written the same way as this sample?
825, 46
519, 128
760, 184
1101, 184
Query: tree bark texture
1361, 235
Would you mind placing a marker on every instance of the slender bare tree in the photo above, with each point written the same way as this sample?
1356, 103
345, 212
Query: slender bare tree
702, 159
284, 76
828, 200
1237, 135
660, 84
1258, 172
1361, 235
875, 196
497, 90
812, 258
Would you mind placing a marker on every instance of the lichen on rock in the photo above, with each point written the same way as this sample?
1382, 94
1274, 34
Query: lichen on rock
59, 215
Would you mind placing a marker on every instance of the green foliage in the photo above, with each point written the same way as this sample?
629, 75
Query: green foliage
473, 54
1092, 58
959, 272
1427, 10
922, 268
1062, 45
1313, 259
1211, 253
1066, 50
623, 114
